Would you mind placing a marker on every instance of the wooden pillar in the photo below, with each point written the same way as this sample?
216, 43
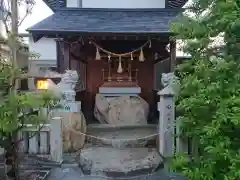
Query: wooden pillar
109, 70
173, 50
129, 71
63, 55
60, 57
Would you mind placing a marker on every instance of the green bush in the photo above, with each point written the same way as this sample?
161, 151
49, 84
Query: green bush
209, 99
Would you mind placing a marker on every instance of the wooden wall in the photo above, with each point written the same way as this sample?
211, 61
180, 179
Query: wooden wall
145, 78
94, 81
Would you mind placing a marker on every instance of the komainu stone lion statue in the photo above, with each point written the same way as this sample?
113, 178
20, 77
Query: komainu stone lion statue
66, 87
74, 123
170, 82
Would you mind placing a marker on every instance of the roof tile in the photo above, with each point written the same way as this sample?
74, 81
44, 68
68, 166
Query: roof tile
108, 20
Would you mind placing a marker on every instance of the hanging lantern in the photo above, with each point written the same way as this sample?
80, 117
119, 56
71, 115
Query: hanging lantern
109, 58
120, 69
98, 56
156, 56
141, 56
168, 47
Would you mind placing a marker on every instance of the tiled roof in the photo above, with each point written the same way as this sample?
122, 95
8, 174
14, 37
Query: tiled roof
53, 4
107, 20
176, 3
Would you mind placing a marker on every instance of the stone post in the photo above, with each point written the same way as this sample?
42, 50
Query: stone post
166, 108
56, 144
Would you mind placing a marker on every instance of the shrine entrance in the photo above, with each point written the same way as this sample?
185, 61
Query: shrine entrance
116, 52
115, 68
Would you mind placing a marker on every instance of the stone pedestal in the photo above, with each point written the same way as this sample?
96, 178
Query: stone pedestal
67, 106
74, 122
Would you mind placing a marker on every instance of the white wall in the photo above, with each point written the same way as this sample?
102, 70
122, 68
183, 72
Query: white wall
3, 33
45, 47
123, 3
74, 3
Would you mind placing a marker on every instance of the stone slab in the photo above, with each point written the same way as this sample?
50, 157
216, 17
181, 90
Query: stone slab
65, 174
75, 174
119, 90
122, 136
115, 162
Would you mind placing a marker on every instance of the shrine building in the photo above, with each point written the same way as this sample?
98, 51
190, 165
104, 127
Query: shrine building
118, 48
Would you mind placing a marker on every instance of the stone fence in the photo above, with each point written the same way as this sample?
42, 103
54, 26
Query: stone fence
44, 140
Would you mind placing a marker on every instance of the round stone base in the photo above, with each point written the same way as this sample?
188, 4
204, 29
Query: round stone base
107, 161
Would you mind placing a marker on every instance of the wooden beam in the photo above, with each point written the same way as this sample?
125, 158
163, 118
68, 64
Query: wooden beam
59, 55
106, 35
166, 3
173, 55
63, 55
161, 59
67, 64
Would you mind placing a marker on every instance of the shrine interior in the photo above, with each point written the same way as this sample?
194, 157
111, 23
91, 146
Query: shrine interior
109, 68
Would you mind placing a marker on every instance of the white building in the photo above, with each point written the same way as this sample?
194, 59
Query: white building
3, 33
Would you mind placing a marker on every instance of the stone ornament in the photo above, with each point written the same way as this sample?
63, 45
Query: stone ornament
171, 84
66, 87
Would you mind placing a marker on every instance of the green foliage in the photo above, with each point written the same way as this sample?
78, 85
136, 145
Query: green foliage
17, 109
209, 99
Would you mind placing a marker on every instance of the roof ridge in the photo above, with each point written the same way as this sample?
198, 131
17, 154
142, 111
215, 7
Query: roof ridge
54, 4
122, 9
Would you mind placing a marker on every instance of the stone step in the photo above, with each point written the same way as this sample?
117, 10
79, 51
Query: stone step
34, 174
122, 136
74, 174
154, 176
114, 162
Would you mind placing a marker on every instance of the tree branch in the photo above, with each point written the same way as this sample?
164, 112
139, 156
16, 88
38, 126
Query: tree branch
28, 11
